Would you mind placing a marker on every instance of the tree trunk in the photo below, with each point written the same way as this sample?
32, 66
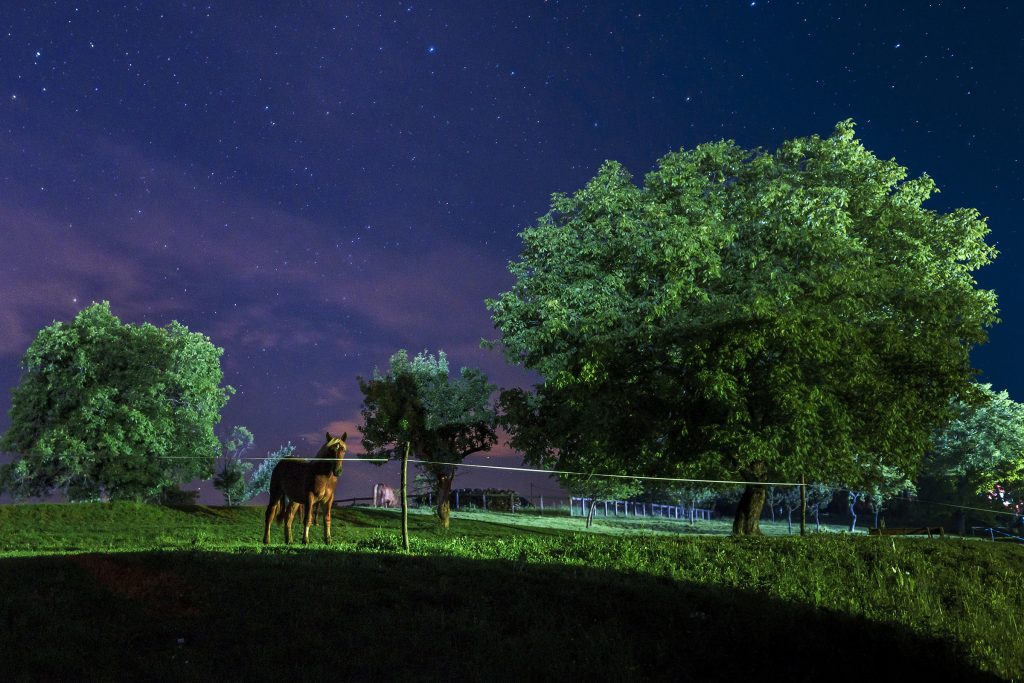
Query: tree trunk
590, 515
789, 520
444, 490
748, 511
817, 523
961, 522
853, 515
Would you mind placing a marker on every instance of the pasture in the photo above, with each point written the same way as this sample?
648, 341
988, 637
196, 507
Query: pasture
137, 592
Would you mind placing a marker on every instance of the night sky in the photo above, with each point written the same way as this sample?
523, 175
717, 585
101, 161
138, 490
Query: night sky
318, 186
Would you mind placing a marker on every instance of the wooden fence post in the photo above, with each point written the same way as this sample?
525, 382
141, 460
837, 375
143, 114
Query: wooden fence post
405, 500
803, 505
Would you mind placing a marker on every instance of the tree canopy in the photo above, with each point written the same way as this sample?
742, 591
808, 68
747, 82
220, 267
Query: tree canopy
981, 447
111, 409
751, 314
445, 420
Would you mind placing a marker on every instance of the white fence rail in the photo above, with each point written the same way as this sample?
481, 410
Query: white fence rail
627, 508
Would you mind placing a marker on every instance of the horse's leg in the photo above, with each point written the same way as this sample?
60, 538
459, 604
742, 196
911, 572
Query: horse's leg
293, 507
308, 521
328, 503
271, 513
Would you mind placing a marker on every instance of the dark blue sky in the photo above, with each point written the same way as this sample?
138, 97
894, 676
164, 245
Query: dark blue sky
317, 186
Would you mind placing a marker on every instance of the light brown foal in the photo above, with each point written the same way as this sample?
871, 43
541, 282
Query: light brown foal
300, 483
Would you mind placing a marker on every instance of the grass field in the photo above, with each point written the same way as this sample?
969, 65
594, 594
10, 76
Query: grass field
136, 592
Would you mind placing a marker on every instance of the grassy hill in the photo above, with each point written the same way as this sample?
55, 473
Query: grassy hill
121, 591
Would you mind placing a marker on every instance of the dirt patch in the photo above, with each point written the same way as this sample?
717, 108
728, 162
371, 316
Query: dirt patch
161, 592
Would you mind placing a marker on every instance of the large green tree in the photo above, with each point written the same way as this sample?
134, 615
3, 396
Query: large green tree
981, 447
444, 419
747, 314
116, 410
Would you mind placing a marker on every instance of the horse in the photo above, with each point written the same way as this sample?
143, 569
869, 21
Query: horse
384, 496
300, 483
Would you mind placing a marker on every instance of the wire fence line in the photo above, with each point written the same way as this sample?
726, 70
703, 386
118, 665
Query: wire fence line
684, 480
415, 461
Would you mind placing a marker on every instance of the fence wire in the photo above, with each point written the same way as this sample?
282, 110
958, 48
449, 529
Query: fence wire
683, 480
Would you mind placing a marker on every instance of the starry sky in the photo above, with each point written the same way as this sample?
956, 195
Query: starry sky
316, 185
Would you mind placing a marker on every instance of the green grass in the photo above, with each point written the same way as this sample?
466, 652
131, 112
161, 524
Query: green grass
121, 591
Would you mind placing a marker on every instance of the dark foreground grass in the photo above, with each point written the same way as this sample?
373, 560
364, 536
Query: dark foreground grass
485, 602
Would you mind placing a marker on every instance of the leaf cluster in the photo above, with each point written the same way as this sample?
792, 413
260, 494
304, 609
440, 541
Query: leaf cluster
105, 408
981, 446
259, 482
416, 401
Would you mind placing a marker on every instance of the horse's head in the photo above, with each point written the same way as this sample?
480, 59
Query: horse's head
334, 449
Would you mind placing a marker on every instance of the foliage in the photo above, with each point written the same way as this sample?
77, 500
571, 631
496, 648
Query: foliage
231, 477
111, 409
982, 447
889, 485
259, 482
444, 419
689, 495
601, 488
747, 314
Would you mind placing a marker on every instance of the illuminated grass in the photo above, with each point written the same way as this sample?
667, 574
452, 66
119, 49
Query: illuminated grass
128, 582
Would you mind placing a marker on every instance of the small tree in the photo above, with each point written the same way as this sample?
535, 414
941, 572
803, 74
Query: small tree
791, 503
600, 488
692, 496
230, 479
774, 498
445, 420
879, 493
259, 482
106, 409
882, 485
818, 497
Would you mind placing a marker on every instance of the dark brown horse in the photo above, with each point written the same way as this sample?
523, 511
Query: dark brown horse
300, 483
